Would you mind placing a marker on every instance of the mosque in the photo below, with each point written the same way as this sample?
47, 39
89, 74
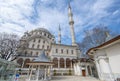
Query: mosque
64, 57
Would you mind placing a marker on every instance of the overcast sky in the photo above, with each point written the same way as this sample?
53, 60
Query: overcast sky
18, 16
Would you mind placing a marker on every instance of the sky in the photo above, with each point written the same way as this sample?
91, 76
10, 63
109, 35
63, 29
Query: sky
19, 16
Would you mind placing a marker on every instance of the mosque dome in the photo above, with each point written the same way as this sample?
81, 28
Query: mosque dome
42, 29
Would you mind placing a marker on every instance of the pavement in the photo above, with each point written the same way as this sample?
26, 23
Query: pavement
69, 78
73, 78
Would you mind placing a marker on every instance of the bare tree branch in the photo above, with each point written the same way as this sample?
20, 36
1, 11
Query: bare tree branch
93, 37
8, 45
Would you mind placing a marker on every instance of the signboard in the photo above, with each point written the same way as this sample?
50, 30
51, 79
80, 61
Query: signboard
17, 76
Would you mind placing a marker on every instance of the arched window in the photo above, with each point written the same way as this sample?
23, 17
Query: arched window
42, 46
38, 46
31, 53
34, 40
20, 61
25, 52
61, 63
68, 63
47, 47
48, 36
39, 41
47, 54
44, 34
56, 50
28, 45
25, 63
61, 50
44, 41
36, 53
55, 61
67, 51
71, 51
33, 46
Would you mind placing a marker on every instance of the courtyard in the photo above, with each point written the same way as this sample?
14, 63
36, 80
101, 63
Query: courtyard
73, 78
70, 78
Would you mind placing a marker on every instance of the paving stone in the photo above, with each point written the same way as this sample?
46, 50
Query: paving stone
69, 78
73, 78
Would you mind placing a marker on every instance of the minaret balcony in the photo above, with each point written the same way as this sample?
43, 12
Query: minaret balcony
71, 22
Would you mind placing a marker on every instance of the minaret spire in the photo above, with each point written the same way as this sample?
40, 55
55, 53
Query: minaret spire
71, 23
59, 35
108, 37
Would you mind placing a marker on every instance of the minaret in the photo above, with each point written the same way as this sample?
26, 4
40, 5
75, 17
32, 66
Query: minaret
59, 35
71, 23
108, 37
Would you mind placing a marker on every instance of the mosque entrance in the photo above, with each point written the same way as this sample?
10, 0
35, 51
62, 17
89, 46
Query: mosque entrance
83, 73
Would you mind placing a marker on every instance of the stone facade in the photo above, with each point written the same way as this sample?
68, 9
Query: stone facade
34, 42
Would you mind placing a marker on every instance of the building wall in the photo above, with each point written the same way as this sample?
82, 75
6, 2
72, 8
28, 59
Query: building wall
104, 66
34, 42
113, 52
36, 47
107, 60
79, 67
63, 50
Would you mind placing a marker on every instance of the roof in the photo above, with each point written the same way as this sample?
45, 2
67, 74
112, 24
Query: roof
104, 44
55, 44
41, 58
42, 29
40, 63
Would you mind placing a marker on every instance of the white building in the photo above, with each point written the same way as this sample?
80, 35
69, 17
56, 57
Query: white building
34, 42
107, 57
83, 67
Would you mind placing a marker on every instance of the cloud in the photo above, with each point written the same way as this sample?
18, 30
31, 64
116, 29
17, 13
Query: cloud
19, 16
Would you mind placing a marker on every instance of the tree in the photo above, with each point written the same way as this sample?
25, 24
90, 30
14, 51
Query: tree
93, 37
8, 45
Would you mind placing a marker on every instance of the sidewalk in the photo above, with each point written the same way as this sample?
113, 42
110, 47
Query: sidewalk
73, 78
69, 78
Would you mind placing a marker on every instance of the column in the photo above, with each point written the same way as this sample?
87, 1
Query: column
22, 66
111, 75
64, 63
31, 72
23, 63
38, 68
45, 74
58, 63
91, 70
72, 67
86, 70
75, 69
49, 75
51, 72
71, 64
100, 71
